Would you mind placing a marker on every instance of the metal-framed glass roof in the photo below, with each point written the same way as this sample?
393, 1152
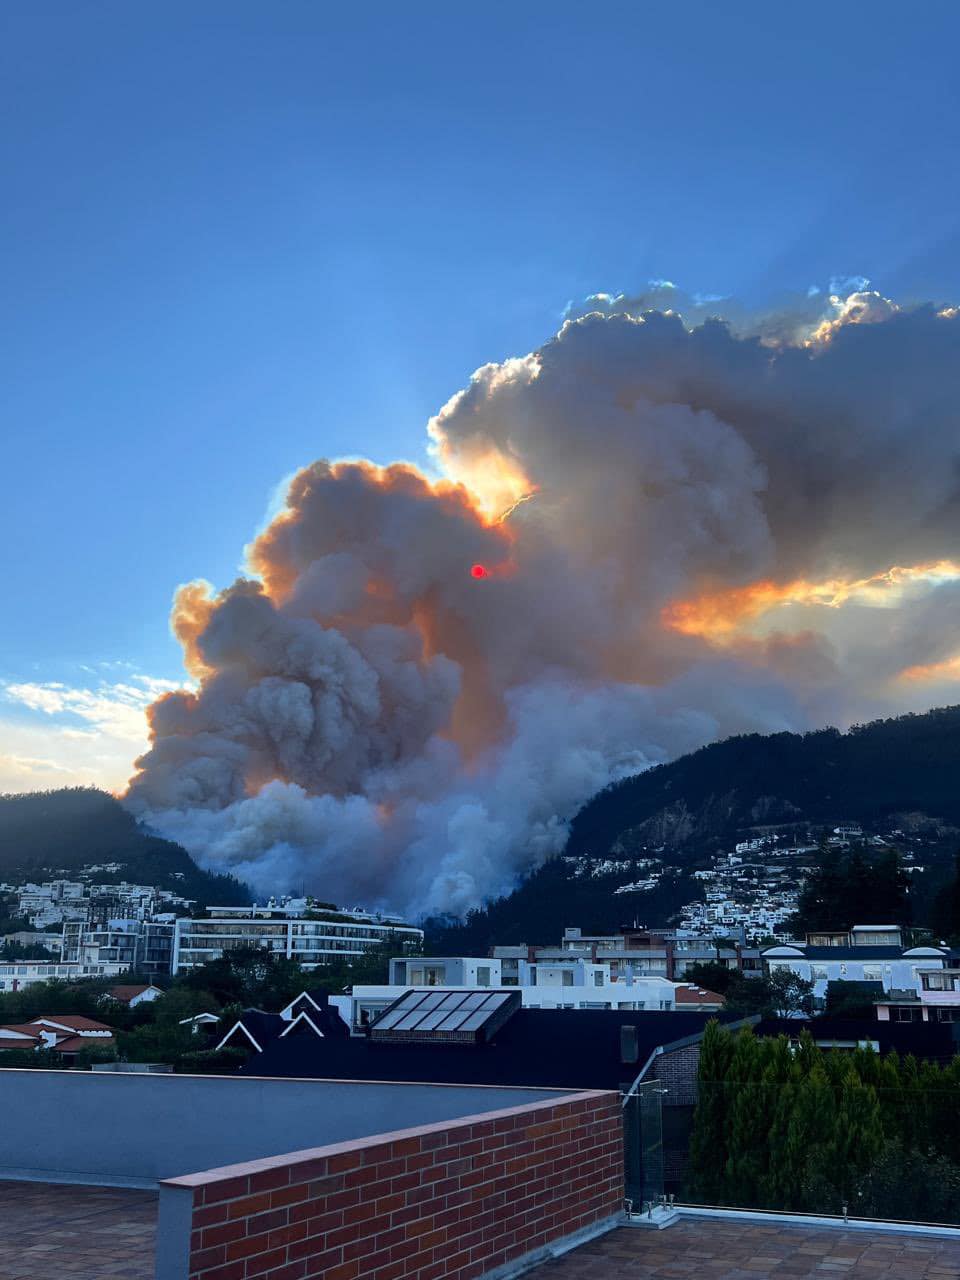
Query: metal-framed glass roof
445, 1017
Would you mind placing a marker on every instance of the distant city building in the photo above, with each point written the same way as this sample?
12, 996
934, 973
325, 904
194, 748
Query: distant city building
144, 946
17, 974
560, 982
865, 953
24, 938
293, 930
56, 901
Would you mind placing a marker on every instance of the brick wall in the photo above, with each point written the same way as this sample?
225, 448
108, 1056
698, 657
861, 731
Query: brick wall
457, 1199
677, 1069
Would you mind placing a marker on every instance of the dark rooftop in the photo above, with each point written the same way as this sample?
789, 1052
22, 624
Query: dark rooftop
930, 1041
541, 1048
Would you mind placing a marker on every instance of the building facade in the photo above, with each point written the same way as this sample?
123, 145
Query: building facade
855, 956
143, 946
566, 982
313, 938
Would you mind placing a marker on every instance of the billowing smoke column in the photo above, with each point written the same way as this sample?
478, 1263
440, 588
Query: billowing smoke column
650, 533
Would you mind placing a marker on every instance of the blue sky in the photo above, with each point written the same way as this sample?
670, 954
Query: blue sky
237, 237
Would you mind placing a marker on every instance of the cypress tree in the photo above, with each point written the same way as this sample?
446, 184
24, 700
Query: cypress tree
708, 1142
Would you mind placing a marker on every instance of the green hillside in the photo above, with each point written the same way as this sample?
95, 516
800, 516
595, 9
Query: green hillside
899, 773
45, 834
906, 767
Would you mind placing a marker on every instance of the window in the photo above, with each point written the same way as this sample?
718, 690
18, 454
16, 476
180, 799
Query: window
533, 981
567, 978
818, 972
483, 976
946, 1015
906, 1014
934, 982
872, 973
598, 979
415, 978
843, 971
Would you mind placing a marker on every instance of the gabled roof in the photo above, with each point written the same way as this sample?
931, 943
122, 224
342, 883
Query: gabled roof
70, 1022
300, 1023
14, 1032
257, 1027
124, 994
73, 1044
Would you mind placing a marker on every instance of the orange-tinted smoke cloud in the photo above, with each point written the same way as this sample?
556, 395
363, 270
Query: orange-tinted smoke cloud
314, 527
948, 669
719, 616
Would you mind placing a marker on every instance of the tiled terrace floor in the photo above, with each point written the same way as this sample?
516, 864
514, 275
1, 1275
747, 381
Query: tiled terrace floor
715, 1249
50, 1232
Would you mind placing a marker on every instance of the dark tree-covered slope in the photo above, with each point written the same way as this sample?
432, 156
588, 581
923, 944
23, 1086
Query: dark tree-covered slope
909, 765
899, 772
45, 832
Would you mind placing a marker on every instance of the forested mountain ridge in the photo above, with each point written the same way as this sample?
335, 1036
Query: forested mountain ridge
902, 772
907, 766
45, 834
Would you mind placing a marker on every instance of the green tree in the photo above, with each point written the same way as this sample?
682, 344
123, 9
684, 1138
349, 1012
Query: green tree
709, 1140
163, 1038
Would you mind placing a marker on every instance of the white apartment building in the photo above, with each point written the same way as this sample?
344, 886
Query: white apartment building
563, 983
313, 937
17, 974
865, 953
145, 946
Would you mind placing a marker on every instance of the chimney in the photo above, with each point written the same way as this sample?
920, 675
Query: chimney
629, 1046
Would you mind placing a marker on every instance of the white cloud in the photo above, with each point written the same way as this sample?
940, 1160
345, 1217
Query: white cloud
76, 734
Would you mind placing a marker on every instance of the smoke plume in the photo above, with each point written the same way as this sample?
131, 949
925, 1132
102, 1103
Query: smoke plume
659, 528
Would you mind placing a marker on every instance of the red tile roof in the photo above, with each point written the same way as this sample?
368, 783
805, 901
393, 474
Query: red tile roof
73, 1044
71, 1021
126, 994
690, 995
22, 1028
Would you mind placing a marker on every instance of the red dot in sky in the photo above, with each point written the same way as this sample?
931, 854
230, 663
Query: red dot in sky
479, 571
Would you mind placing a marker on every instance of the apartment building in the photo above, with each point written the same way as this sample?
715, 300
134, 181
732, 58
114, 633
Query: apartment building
865, 953
291, 930
145, 946
561, 982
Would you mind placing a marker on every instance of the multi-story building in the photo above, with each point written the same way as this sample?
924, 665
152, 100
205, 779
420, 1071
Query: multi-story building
936, 998
293, 930
865, 953
145, 946
17, 974
564, 982
635, 953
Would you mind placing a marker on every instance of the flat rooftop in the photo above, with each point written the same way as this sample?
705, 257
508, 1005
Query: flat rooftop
105, 1233
730, 1249
76, 1233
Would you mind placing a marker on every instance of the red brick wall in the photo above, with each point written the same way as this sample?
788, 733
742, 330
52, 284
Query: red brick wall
457, 1199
